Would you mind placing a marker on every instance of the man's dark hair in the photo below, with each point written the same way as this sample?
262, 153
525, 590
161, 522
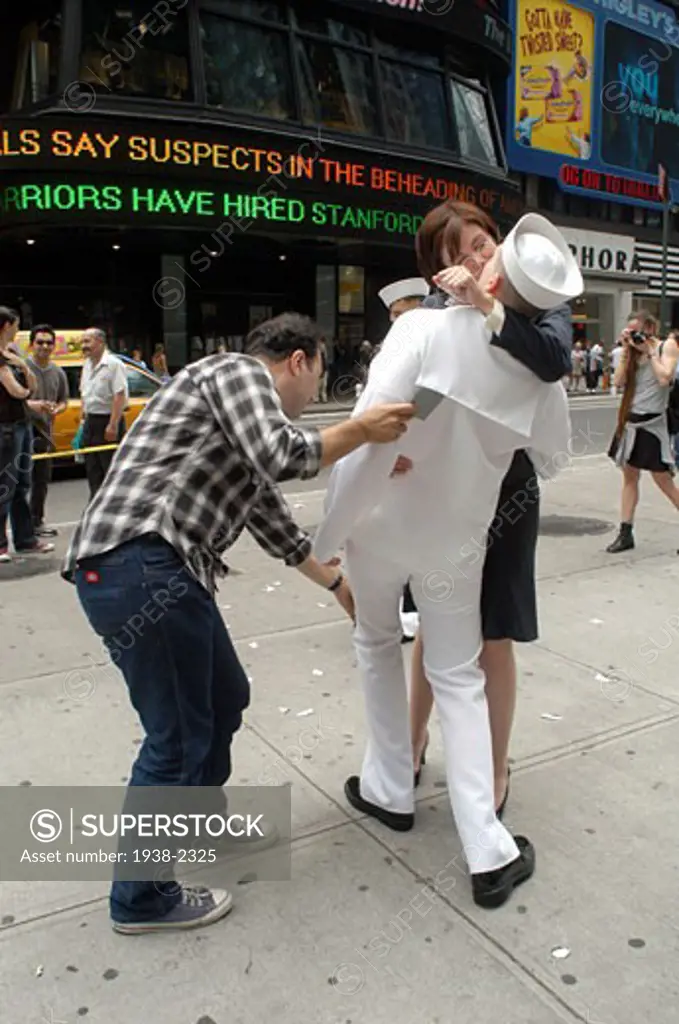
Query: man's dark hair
42, 329
8, 316
278, 338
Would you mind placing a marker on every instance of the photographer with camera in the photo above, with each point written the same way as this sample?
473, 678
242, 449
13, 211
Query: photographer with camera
642, 440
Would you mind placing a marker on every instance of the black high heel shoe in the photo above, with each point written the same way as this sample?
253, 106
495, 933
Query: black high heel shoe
501, 809
423, 761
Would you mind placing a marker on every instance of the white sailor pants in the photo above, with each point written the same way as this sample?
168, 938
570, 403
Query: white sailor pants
449, 603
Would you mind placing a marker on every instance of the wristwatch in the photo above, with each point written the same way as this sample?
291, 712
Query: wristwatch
336, 583
495, 320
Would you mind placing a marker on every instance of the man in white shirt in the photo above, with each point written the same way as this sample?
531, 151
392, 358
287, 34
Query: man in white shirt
104, 393
430, 525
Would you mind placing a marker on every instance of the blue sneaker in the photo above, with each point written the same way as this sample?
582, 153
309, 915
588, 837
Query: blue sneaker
197, 908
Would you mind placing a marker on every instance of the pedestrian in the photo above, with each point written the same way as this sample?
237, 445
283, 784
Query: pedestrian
138, 358
49, 399
17, 383
103, 389
156, 532
578, 363
641, 442
159, 362
595, 366
401, 296
598, 354
460, 234
615, 357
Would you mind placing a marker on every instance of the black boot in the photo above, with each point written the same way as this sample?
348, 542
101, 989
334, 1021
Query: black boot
624, 541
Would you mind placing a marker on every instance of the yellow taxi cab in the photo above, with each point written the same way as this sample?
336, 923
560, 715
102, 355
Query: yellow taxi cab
141, 383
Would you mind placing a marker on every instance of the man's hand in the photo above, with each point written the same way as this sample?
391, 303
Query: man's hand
385, 423
345, 599
403, 465
463, 286
111, 433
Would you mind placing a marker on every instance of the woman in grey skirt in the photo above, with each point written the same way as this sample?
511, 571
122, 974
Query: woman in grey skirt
642, 441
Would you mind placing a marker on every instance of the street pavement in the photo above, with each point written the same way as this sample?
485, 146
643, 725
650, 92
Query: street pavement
353, 938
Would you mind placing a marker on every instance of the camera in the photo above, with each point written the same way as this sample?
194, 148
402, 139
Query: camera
638, 337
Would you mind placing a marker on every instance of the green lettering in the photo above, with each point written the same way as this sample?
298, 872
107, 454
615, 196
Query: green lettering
113, 199
348, 220
32, 194
260, 204
165, 202
142, 197
205, 203
279, 209
11, 197
318, 213
88, 193
296, 211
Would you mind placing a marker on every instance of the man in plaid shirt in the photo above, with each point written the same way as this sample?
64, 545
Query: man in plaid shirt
203, 463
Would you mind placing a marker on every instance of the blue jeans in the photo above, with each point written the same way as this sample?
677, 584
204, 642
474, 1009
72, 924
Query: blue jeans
166, 635
15, 482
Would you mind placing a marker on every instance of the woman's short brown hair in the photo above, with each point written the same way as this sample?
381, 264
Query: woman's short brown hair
441, 228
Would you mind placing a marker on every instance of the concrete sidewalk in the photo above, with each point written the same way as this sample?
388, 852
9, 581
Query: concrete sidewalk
351, 940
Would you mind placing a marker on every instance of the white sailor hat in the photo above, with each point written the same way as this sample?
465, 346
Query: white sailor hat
411, 287
539, 264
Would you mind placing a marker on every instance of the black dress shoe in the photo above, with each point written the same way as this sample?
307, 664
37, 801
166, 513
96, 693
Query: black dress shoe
493, 888
399, 822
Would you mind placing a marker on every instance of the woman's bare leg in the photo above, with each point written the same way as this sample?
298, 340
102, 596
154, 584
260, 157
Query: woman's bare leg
630, 493
421, 702
499, 665
667, 485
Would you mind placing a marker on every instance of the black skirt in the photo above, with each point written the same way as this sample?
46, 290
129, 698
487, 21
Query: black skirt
508, 596
646, 453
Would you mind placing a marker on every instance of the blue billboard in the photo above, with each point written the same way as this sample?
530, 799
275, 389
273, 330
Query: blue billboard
593, 99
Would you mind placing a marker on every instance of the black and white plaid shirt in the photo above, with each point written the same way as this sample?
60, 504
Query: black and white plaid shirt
202, 463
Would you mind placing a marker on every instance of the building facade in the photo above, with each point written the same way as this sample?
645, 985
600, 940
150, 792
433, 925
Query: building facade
180, 172
591, 114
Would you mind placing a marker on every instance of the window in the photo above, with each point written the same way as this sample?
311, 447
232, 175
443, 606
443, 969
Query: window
73, 377
337, 31
37, 55
247, 68
351, 290
139, 385
267, 10
135, 50
338, 88
295, 62
474, 134
414, 106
